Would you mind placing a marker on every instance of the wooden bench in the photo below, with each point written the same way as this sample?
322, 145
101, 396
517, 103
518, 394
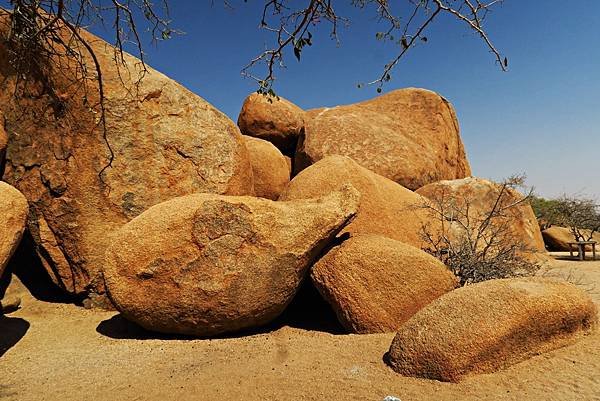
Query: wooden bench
581, 248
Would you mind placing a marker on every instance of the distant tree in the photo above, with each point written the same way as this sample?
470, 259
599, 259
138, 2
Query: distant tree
581, 215
545, 211
478, 245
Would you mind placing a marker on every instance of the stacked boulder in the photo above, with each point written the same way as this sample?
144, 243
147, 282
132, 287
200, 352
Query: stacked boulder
270, 168
410, 136
190, 227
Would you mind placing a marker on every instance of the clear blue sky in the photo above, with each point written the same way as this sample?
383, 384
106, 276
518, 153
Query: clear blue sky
541, 118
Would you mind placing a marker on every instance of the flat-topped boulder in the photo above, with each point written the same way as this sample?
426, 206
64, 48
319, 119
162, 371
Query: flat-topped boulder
207, 264
375, 284
410, 136
491, 325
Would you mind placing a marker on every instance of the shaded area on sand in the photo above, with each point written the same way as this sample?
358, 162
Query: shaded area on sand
307, 311
63, 356
12, 329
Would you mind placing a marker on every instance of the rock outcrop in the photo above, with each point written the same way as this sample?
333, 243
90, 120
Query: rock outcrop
386, 208
410, 136
557, 239
485, 327
273, 119
375, 284
270, 168
85, 176
13, 218
207, 264
480, 195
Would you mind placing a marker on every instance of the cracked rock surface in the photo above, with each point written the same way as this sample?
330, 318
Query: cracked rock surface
83, 182
207, 264
410, 136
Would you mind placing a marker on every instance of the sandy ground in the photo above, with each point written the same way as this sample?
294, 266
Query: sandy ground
55, 351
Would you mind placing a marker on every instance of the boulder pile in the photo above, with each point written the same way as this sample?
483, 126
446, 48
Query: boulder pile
161, 207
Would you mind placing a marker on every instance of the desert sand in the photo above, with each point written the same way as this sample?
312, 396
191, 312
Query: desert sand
57, 351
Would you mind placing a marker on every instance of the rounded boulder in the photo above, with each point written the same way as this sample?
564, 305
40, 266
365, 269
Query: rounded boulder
375, 284
207, 264
270, 168
273, 119
491, 325
386, 208
410, 136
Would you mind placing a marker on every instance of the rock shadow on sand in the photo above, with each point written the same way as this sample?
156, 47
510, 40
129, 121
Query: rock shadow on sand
307, 311
13, 329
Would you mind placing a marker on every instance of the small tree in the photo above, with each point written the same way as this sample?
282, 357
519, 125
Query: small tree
580, 215
545, 211
478, 245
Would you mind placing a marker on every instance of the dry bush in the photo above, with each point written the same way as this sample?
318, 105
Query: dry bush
478, 245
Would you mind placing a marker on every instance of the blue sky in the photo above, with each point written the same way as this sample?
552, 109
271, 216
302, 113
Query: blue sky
541, 118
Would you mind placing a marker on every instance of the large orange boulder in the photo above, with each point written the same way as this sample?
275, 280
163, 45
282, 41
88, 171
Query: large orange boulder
386, 208
375, 284
488, 326
478, 196
13, 217
271, 169
84, 178
410, 136
273, 119
207, 264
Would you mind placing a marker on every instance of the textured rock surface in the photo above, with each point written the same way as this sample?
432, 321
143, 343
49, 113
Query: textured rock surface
13, 218
270, 168
481, 195
410, 136
491, 325
276, 120
3, 143
386, 208
557, 239
166, 142
375, 284
206, 264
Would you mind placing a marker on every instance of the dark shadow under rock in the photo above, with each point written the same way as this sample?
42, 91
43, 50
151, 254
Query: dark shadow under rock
27, 266
12, 330
307, 311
